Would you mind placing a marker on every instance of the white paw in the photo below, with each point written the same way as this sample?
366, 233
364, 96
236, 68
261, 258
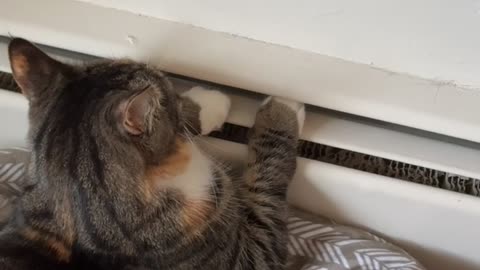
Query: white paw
297, 107
214, 107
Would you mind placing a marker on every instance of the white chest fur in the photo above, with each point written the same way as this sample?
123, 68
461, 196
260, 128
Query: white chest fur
195, 179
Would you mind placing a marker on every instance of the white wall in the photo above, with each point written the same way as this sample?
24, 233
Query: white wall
302, 75
434, 39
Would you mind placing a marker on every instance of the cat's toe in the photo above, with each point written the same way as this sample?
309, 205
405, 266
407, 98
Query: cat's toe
214, 107
297, 107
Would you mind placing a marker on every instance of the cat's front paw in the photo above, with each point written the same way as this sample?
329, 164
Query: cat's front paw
214, 107
294, 106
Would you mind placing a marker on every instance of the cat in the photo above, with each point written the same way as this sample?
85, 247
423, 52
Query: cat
122, 185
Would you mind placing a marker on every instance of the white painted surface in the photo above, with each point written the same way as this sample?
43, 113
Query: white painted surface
435, 39
13, 119
312, 78
436, 226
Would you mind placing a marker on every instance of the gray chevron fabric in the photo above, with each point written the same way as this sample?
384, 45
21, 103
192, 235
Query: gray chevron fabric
12, 180
315, 243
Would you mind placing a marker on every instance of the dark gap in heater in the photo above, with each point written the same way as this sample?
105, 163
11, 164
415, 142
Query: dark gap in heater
367, 163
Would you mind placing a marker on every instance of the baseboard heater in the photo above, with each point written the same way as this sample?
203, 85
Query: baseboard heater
368, 158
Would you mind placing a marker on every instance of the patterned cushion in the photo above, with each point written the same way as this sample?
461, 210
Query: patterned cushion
315, 243
12, 171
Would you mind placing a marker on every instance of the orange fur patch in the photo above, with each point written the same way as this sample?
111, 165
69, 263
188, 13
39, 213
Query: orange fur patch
67, 221
61, 248
172, 166
175, 164
195, 215
61, 251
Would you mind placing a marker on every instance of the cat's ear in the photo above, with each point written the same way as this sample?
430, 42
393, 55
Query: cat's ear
137, 112
32, 69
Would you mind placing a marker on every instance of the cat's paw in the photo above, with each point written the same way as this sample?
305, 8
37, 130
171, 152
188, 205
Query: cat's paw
214, 107
297, 107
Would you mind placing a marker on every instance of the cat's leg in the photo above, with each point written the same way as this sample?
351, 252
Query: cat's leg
273, 150
204, 110
272, 153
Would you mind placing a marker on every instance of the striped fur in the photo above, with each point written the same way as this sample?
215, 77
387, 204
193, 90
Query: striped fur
122, 188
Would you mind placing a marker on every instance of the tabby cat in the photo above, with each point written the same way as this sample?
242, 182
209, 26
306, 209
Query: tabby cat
122, 185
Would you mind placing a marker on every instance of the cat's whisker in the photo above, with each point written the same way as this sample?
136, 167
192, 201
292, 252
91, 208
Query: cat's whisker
224, 165
215, 163
187, 123
199, 137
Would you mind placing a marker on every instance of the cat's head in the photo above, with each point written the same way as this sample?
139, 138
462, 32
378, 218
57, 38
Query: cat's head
127, 105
